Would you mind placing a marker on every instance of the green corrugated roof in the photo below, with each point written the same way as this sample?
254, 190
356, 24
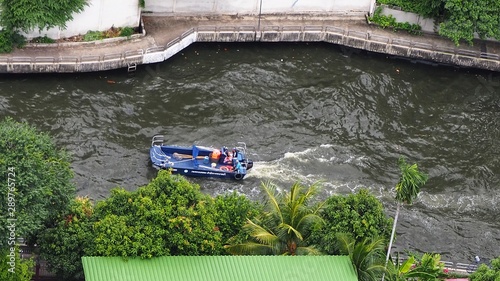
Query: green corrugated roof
220, 268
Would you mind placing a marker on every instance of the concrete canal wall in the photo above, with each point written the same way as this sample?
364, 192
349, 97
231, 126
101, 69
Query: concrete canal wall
359, 38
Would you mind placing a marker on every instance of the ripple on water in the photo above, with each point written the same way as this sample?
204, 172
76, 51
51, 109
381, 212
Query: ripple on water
307, 112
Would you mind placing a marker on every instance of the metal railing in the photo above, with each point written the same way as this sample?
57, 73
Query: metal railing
330, 34
450, 266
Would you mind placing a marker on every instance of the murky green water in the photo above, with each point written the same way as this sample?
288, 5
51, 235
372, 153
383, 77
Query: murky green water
307, 112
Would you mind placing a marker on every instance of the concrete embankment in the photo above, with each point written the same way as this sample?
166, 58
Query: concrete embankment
167, 35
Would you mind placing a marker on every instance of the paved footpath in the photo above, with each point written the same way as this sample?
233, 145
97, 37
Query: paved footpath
163, 28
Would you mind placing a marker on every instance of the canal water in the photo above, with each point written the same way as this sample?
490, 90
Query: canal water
307, 112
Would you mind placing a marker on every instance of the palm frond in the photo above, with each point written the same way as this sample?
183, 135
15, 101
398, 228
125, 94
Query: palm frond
345, 243
249, 248
310, 250
410, 182
307, 220
261, 234
289, 229
270, 190
366, 256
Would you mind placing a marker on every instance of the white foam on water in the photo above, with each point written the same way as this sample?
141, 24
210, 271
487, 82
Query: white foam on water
292, 166
276, 171
462, 203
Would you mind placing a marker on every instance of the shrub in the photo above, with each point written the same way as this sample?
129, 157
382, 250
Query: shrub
389, 21
127, 31
233, 210
5, 42
92, 36
9, 40
43, 39
360, 215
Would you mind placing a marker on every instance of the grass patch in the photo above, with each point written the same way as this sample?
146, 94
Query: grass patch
110, 33
43, 40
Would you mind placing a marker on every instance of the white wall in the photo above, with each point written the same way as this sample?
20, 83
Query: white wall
253, 6
427, 24
99, 15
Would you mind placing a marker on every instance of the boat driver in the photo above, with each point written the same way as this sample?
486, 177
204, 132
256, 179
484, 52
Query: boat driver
237, 166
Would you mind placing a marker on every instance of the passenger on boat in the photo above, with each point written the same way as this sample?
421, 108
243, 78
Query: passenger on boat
229, 158
223, 155
237, 166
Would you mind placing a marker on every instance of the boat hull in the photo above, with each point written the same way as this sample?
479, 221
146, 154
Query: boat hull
197, 161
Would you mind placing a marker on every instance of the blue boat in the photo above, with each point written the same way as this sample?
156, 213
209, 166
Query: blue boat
200, 161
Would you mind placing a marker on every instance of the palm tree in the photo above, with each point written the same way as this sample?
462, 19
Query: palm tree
283, 228
366, 256
407, 189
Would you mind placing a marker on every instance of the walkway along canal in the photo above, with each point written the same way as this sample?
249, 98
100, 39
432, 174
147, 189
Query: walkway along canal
183, 31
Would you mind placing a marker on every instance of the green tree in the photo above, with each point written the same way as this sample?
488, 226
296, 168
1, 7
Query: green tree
486, 273
367, 256
63, 246
38, 176
464, 18
284, 226
360, 215
426, 268
13, 267
169, 216
407, 189
233, 210
27, 15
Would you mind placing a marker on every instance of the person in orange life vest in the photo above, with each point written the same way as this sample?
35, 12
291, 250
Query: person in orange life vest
229, 158
214, 156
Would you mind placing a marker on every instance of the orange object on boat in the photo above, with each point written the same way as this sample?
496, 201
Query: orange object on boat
215, 155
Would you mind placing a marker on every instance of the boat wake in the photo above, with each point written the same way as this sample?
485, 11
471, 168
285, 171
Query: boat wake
338, 170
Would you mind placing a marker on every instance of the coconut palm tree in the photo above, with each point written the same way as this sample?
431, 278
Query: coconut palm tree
407, 189
366, 256
284, 226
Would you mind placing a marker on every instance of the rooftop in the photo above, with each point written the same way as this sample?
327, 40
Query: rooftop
220, 268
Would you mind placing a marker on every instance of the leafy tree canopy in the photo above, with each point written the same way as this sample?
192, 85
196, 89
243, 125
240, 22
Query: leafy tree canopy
460, 19
360, 215
233, 210
27, 15
468, 17
169, 216
38, 176
63, 246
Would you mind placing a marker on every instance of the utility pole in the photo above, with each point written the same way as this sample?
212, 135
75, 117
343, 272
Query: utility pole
258, 25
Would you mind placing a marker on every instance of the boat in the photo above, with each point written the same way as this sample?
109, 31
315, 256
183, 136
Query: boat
200, 161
